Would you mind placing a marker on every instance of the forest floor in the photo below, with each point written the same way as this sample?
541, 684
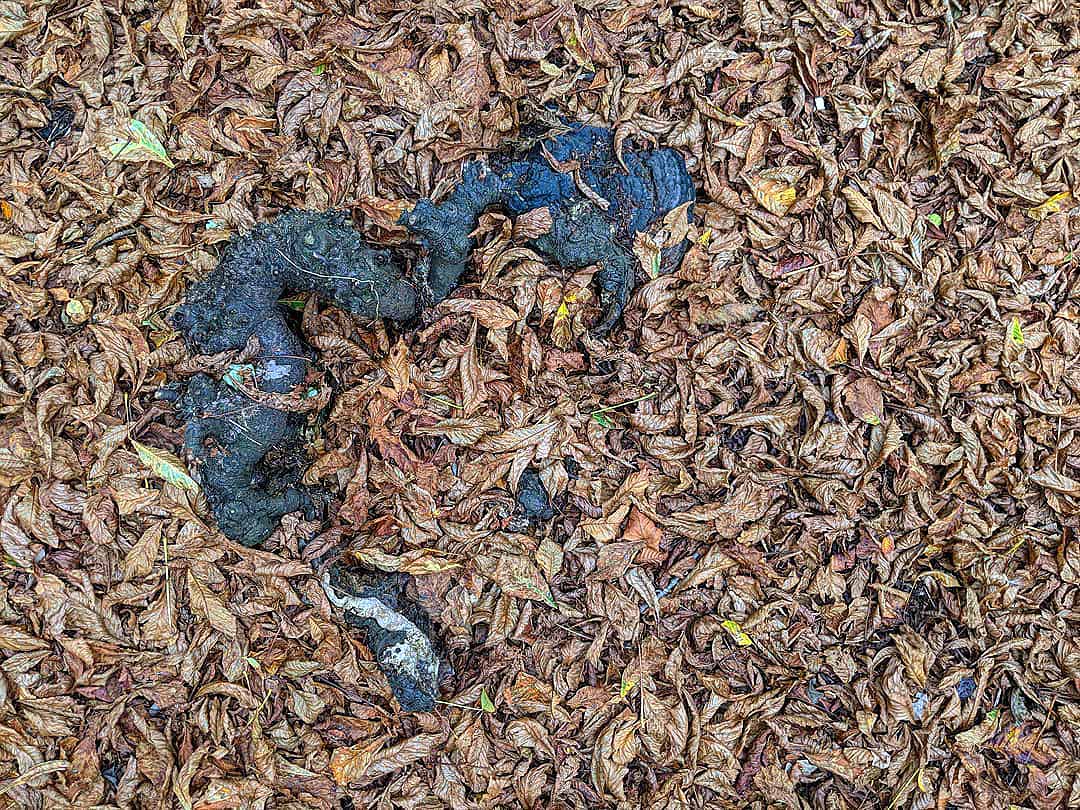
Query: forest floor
817, 495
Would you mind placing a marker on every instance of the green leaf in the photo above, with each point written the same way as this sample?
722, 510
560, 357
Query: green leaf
293, 303
934, 219
319, 70
165, 466
602, 419
485, 702
1016, 332
625, 686
237, 374
138, 142
75, 309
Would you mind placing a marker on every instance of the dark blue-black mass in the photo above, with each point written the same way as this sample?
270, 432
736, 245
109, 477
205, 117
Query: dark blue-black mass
638, 192
532, 497
228, 434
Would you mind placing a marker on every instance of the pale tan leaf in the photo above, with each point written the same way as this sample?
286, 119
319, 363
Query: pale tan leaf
518, 576
139, 561
775, 196
173, 25
208, 605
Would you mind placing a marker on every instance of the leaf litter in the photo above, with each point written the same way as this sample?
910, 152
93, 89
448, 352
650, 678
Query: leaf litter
815, 534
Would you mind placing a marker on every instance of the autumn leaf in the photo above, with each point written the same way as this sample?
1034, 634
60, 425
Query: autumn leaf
13, 20
349, 764
384, 212
549, 556
135, 142
647, 251
560, 325
945, 578
736, 632
518, 576
977, 735
533, 223
490, 314
173, 25
774, 196
208, 605
864, 398
416, 562
139, 561
641, 528
165, 466
1051, 205
15, 247
925, 72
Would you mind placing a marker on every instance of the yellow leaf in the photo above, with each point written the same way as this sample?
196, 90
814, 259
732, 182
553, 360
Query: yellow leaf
1016, 332
735, 630
920, 780
626, 686
945, 578
135, 142
773, 195
1051, 206
560, 325
165, 466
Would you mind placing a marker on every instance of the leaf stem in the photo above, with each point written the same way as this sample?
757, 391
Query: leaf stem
618, 405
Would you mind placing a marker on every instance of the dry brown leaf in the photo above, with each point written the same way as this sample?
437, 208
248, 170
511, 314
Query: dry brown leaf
208, 605
775, 196
518, 576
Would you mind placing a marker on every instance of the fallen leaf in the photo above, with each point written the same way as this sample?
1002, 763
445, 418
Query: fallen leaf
165, 466
136, 142
518, 576
774, 196
13, 20
736, 632
210, 606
